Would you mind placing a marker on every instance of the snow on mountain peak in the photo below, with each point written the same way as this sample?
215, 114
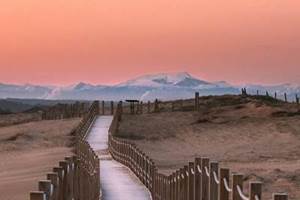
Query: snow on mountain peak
83, 86
158, 80
78, 86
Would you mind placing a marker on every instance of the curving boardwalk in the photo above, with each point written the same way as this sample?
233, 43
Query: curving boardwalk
117, 181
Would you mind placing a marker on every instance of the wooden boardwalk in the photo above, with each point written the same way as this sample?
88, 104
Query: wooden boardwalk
117, 181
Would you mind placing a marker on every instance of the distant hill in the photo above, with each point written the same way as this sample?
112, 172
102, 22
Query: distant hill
23, 91
36, 109
164, 86
40, 102
4, 111
14, 107
28, 105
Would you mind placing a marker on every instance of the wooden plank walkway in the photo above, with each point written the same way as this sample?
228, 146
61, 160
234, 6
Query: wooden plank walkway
117, 181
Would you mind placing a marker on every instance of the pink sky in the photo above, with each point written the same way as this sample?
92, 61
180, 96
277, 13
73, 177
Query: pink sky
66, 41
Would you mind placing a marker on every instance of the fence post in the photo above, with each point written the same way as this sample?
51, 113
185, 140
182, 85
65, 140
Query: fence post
46, 187
148, 107
163, 184
177, 174
53, 177
156, 106
154, 189
237, 180
160, 186
255, 190
173, 191
148, 172
280, 196
153, 175
111, 107
181, 104
137, 108
38, 195
186, 182
163, 187
168, 189
97, 108
205, 179
121, 108
267, 93
196, 101
141, 108
65, 186
60, 172
224, 176
191, 181
70, 177
181, 191
144, 178
170, 192
285, 97
103, 107
214, 172
198, 178
132, 108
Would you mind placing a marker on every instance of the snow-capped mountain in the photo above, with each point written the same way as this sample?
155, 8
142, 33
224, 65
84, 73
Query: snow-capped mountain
24, 91
182, 79
163, 86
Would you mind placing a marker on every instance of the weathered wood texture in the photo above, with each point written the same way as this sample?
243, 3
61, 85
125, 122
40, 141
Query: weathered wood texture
77, 177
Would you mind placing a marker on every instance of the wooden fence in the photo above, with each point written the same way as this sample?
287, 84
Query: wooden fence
195, 104
283, 96
77, 177
64, 111
201, 179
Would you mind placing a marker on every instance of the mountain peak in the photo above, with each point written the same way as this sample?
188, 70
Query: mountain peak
82, 86
157, 80
186, 74
149, 87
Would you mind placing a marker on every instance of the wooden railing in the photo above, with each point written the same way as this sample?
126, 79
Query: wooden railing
201, 179
129, 155
77, 177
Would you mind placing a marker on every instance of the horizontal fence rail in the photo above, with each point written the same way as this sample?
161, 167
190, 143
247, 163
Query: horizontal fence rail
201, 179
65, 111
77, 177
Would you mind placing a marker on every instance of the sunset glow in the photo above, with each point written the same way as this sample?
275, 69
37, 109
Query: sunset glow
63, 41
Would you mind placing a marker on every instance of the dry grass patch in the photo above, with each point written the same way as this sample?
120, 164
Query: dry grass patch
28, 151
19, 118
257, 136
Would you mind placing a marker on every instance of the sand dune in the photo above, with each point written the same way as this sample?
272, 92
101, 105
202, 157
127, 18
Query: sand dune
28, 151
250, 136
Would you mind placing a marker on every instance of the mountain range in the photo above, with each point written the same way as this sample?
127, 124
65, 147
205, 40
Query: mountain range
164, 86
